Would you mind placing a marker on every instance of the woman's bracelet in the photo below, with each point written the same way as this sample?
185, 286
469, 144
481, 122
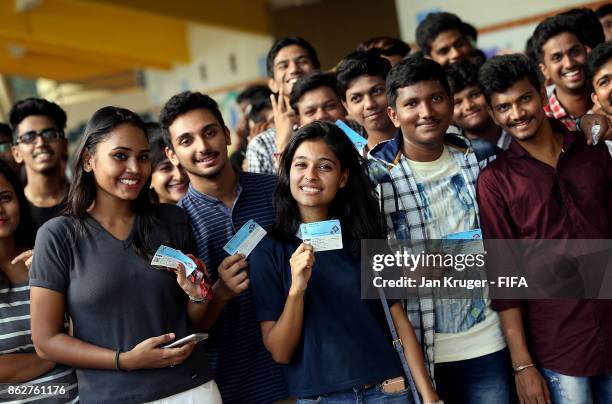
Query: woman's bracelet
117, 353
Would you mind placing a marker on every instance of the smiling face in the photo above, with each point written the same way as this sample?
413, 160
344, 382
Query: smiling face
315, 177
450, 47
563, 62
40, 156
320, 104
9, 209
366, 101
519, 110
169, 182
120, 163
199, 144
423, 111
470, 109
290, 63
602, 85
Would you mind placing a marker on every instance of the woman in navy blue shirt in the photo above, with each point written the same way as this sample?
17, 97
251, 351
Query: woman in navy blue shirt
335, 346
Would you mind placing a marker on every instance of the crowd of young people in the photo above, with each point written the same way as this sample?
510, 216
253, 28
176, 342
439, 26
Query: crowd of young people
455, 143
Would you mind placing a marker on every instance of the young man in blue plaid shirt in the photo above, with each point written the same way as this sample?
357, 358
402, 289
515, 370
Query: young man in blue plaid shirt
426, 183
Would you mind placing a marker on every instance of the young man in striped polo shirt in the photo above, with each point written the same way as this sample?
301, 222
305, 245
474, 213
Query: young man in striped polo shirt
219, 202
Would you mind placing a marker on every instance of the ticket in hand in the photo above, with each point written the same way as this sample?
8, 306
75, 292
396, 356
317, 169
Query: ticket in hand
167, 257
465, 242
323, 236
358, 141
246, 239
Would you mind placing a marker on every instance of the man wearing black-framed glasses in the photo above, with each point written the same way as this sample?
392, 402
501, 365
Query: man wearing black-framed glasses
39, 144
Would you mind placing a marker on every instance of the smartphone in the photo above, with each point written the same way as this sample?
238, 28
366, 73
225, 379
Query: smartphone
394, 385
193, 337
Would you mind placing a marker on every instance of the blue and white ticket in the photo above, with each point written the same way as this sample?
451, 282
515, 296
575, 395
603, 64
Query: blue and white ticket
167, 257
246, 239
323, 236
465, 242
358, 141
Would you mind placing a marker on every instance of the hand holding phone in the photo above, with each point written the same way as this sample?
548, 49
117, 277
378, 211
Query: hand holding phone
193, 337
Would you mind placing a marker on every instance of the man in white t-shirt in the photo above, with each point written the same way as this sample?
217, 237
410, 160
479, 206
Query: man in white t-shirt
426, 181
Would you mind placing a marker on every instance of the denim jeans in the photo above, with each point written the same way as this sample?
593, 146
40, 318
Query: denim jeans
360, 395
486, 379
578, 390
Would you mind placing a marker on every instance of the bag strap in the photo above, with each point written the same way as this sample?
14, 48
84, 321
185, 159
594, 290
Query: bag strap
397, 345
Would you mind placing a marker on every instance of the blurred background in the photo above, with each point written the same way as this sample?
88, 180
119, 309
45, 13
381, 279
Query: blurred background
85, 54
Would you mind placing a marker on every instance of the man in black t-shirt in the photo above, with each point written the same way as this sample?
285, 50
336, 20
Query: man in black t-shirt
39, 144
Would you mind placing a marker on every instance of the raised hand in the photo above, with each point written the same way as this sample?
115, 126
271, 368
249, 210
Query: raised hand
301, 262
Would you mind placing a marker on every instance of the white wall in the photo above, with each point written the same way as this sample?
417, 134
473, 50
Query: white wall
211, 48
481, 13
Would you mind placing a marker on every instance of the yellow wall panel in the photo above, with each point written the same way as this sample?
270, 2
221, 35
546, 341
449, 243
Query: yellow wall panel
98, 31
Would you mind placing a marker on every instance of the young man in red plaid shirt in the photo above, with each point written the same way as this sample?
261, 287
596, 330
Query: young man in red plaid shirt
562, 56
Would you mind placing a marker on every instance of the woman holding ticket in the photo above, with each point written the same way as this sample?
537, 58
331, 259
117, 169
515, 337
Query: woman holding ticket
307, 294
94, 264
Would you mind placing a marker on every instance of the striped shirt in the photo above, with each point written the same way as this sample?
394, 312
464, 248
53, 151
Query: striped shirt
16, 337
244, 369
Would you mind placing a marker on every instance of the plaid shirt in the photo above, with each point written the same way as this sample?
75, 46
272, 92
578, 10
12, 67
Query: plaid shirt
554, 109
260, 151
403, 210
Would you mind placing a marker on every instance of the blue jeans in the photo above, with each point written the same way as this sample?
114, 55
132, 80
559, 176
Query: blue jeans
360, 395
578, 390
486, 379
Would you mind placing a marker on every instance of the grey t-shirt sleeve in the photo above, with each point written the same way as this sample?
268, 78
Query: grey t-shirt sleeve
50, 263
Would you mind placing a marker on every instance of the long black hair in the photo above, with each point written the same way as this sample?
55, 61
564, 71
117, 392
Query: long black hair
82, 191
157, 143
355, 205
24, 234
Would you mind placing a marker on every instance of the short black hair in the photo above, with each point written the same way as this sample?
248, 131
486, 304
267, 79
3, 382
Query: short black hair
413, 70
501, 72
551, 27
433, 25
157, 142
182, 103
604, 10
597, 58
258, 106
360, 63
470, 31
253, 93
6, 130
288, 41
385, 46
587, 25
461, 75
37, 106
311, 82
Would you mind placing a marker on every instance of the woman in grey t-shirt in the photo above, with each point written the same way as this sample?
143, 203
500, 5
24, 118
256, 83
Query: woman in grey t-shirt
93, 263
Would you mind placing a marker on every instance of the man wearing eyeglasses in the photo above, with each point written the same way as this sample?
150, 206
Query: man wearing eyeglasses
6, 143
39, 144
